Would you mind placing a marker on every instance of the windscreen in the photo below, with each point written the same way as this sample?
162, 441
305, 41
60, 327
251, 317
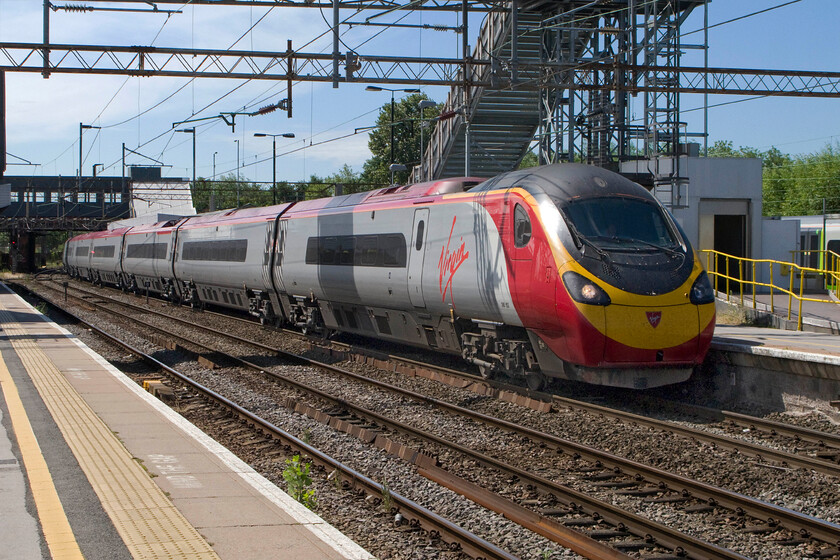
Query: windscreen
616, 222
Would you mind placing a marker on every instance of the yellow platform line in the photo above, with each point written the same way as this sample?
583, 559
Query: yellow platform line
57, 532
148, 523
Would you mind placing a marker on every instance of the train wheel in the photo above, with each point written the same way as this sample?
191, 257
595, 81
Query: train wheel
487, 372
536, 380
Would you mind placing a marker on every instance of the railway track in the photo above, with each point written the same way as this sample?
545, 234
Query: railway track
414, 513
812, 449
614, 471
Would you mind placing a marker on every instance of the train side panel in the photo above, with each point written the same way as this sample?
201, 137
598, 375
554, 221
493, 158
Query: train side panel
147, 259
105, 256
222, 264
402, 272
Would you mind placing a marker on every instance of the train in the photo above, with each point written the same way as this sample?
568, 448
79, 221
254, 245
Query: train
560, 271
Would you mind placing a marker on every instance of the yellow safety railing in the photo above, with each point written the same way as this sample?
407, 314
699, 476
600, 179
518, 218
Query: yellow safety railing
777, 270
828, 260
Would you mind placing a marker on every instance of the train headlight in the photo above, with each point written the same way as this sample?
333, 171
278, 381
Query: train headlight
702, 291
584, 290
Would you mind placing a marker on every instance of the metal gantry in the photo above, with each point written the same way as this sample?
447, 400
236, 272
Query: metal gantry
562, 73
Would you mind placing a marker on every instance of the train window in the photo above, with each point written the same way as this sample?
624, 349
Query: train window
521, 227
312, 250
393, 250
385, 250
103, 252
327, 250
82, 250
226, 250
421, 227
347, 251
368, 250
146, 251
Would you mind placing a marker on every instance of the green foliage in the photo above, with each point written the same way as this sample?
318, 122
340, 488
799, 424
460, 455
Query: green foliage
228, 190
387, 501
529, 160
406, 128
793, 185
799, 185
298, 481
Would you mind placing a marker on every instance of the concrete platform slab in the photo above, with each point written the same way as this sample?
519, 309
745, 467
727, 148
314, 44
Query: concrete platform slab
212, 495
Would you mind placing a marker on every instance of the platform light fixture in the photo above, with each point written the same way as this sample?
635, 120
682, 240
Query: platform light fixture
82, 128
274, 158
393, 91
190, 131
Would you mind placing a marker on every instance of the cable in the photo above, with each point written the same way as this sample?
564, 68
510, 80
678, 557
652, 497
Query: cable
741, 17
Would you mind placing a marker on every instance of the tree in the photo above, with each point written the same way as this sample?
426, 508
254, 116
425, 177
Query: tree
793, 185
228, 191
406, 129
530, 159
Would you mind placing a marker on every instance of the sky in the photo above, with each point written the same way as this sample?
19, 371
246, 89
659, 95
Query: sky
43, 115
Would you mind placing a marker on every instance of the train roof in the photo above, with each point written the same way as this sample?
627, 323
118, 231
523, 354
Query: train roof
567, 181
394, 193
250, 214
103, 234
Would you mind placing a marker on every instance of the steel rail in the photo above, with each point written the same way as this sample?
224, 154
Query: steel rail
635, 524
747, 448
791, 520
773, 427
470, 543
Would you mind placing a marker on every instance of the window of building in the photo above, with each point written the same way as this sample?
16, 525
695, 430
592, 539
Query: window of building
40, 196
15, 196
54, 196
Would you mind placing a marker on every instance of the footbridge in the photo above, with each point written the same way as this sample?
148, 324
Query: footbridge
560, 81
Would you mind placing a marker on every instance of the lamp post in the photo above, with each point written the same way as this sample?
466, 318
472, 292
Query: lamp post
82, 127
393, 168
274, 159
190, 131
212, 185
424, 104
237, 173
378, 88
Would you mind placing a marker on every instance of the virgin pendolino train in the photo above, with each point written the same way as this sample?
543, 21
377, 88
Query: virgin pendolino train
561, 271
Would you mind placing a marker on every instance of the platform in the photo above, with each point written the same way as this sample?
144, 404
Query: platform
92, 466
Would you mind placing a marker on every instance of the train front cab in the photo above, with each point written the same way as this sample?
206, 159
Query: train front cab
631, 309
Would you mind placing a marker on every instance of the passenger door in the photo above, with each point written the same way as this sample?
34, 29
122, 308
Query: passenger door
416, 253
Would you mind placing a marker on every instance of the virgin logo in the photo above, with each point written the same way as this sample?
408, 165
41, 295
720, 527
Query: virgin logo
654, 317
449, 262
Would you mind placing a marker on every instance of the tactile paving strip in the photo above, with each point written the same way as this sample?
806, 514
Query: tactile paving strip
143, 516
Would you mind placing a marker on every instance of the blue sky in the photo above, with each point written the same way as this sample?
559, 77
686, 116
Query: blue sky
43, 115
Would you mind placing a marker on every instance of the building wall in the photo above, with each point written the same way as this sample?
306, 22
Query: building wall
722, 201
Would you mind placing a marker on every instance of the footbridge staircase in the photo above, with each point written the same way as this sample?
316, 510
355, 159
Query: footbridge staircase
498, 123
569, 78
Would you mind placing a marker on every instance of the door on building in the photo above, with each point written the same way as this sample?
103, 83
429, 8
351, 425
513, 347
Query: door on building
731, 238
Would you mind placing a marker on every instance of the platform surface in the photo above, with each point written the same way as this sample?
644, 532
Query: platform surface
93, 466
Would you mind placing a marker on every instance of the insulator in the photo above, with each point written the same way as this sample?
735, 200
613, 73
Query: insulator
266, 109
74, 8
